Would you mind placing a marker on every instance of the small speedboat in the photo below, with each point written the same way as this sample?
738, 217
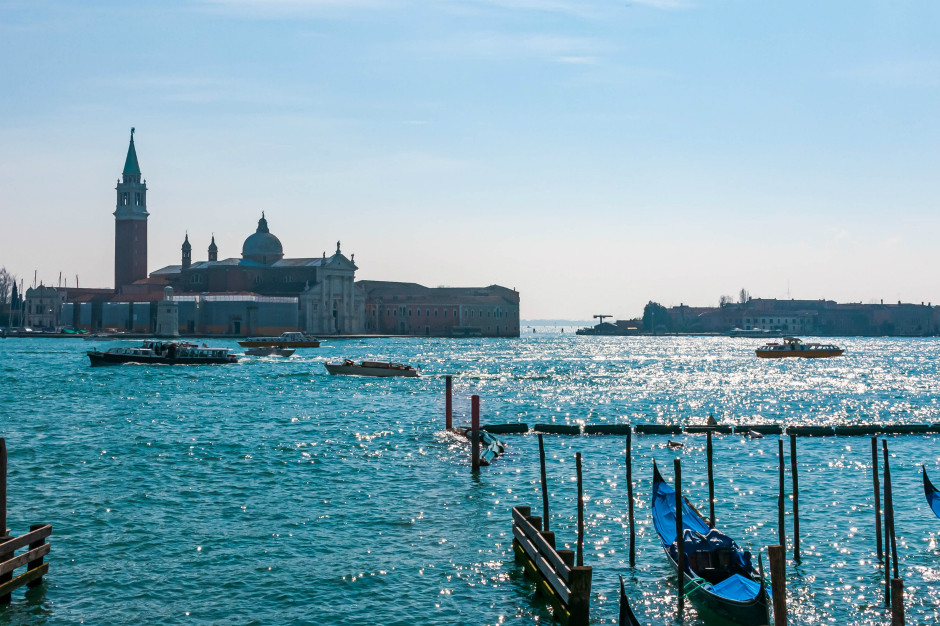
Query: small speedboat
285, 340
371, 368
163, 353
269, 351
793, 347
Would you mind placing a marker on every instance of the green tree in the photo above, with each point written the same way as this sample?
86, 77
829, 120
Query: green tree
656, 318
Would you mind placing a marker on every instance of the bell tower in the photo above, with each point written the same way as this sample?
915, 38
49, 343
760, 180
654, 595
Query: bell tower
130, 223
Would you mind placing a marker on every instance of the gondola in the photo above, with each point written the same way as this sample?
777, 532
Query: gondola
718, 575
627, 618
933, 497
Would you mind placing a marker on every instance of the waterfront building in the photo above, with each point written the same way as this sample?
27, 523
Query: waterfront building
263, 292
43, 306
411, 309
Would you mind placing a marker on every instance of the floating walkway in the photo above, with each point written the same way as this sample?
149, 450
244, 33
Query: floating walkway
860, 430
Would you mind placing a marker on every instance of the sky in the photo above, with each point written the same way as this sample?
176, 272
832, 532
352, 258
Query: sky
593, 155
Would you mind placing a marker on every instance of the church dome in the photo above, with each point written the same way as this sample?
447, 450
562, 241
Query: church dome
262, 246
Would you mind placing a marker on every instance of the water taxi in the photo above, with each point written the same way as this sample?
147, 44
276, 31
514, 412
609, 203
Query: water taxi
286, 340
371, 368
793, 347
163, 353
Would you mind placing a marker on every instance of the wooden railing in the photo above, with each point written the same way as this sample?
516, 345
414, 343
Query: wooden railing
566, 586
35, 540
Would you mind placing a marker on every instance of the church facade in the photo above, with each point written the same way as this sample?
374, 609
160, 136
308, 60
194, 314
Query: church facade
262, 291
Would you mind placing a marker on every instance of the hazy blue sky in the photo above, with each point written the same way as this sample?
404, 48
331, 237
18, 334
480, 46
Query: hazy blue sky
594, 155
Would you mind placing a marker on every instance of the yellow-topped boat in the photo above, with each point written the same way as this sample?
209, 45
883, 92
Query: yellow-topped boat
793, 347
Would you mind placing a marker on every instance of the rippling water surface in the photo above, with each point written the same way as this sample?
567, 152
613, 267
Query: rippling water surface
271, 492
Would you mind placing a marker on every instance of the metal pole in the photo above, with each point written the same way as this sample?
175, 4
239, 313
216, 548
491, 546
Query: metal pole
544, 485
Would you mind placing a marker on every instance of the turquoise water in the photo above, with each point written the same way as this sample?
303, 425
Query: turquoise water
270, 492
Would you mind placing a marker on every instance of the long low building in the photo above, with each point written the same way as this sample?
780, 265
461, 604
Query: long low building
390, 309
394, 308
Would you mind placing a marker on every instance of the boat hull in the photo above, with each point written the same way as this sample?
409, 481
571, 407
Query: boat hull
98, 358
749, 611
799, 354
275, 343
272, 351
357, 370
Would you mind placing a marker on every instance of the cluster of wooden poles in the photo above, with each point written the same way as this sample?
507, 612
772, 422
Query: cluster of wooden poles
887, 553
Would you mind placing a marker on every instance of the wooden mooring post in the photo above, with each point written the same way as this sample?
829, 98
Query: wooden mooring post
449, 402
630, 498
875, 480
778, 583
475, 433
796, 499
544, 483
897, 602
711, 479
680, 540
891, 546
577, 462
35, 540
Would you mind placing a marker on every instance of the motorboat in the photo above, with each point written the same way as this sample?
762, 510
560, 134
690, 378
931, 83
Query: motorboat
269, 351
793, 347
371, 368
163, 353
285, 340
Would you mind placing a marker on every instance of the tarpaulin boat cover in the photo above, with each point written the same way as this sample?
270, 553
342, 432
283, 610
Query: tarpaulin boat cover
664, 514
736, 587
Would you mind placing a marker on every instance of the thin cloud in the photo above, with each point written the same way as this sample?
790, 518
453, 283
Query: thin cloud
491, 45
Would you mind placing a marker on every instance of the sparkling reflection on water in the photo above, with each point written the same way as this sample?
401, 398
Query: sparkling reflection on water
272, 492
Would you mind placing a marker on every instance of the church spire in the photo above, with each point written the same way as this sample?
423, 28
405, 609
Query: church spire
131, 167
213, 250
187, 252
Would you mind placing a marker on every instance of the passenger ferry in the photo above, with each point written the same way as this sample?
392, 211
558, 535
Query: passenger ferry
163, 353
286, 340
793, 347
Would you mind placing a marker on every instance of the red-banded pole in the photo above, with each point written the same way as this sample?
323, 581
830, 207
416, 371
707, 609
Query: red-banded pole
475, 433
449, 402
781, 531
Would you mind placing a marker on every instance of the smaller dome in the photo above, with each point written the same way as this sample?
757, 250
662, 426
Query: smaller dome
262, 246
